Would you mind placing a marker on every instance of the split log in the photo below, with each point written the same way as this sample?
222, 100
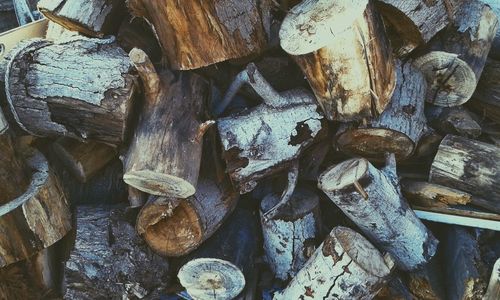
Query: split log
433, 195
458, 54
56, 32
83, 160
468, 165
49, 97
36, 219
345, 266
452, 120
465, 274
428, 282
351, 82
415, 22
399, 128
290, 236
486, 99
165, 153
495, 48
372, 199
493, 291
215, 272
91, 18
230, 29
266, 139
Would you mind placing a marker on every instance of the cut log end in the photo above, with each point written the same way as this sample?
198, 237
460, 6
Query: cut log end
210, 278
343, 175
159, 184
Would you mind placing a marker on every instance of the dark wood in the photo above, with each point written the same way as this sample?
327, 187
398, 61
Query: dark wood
495, 48
452, 120
428, 282
8, 18
426, 194
486, 99
136, 33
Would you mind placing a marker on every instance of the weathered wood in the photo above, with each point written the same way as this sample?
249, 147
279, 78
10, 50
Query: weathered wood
230, 29
56, 32
395, 289
136, 198
459, 217
372, 199
428, 282
8, 18
165, 153
23, 12
399, 128
345, 266
452, 120
486, 99
291, 235
414, 22
136, 33
109, 260
433, 195
266, 139
493, 291
352, 81
468, 165
92, 18
495, 48
49, 96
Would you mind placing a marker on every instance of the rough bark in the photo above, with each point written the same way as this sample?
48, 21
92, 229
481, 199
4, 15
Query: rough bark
352, 81
495, 48
493, 291
372, 199
452, 120
92, 18
165, 153
399, 128
468, 165
109, 260
36, 219
345, 266
290, 236
486, 99
56, 32
433, 195
81, 88
265, 140
229, 28
83, 160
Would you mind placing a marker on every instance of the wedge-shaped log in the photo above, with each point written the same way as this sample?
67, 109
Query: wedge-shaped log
341, 47
195, 34
266, 139
486, 98
345, 266
399, 128
82, 88
93, 18
371, 198
165, 152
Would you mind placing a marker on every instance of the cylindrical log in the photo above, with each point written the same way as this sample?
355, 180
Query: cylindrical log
345, 266
493, 291
371, 198
341, 47
92, 18
452, 120
49, 97
486, 99
468, 165
495, 48
219, 272
426, 194
290, 236
188, 29
399, 128
110, 261
165, 153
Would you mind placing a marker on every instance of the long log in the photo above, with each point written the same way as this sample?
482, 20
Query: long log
452, 120
486, 98
345, 266
352, 81
49, 97
372, 199
426, 194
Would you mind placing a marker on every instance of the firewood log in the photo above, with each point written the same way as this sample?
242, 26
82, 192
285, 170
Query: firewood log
495, 48
395, 289
188, 29
493, 291
428, 282
341, 47
290, 236
266, 139
83, 160
95, 18
452, 120
486, 99
426, 194
56, 32
372, 199
468, 165
415, 22
458, 54
36, 219
345, 266
7, 16
165, 153
49, 97
399, 128
215, 272
109, 260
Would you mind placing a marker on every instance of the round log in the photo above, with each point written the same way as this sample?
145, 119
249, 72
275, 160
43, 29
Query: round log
345, 266
341, 47
49, 97
292, 233
371, 198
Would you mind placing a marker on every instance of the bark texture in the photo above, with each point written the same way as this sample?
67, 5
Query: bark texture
452, 120
486, 99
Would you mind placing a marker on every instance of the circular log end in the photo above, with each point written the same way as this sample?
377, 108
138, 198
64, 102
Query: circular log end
159, 184
343, 175
373, 143
210, 278
312, 24
302, 202
451, 81
170, 230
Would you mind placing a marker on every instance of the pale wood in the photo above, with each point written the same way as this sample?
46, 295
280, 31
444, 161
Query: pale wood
446, 218
493, 291
433, 195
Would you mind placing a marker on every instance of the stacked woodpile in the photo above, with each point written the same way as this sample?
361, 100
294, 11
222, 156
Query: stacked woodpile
245, 149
